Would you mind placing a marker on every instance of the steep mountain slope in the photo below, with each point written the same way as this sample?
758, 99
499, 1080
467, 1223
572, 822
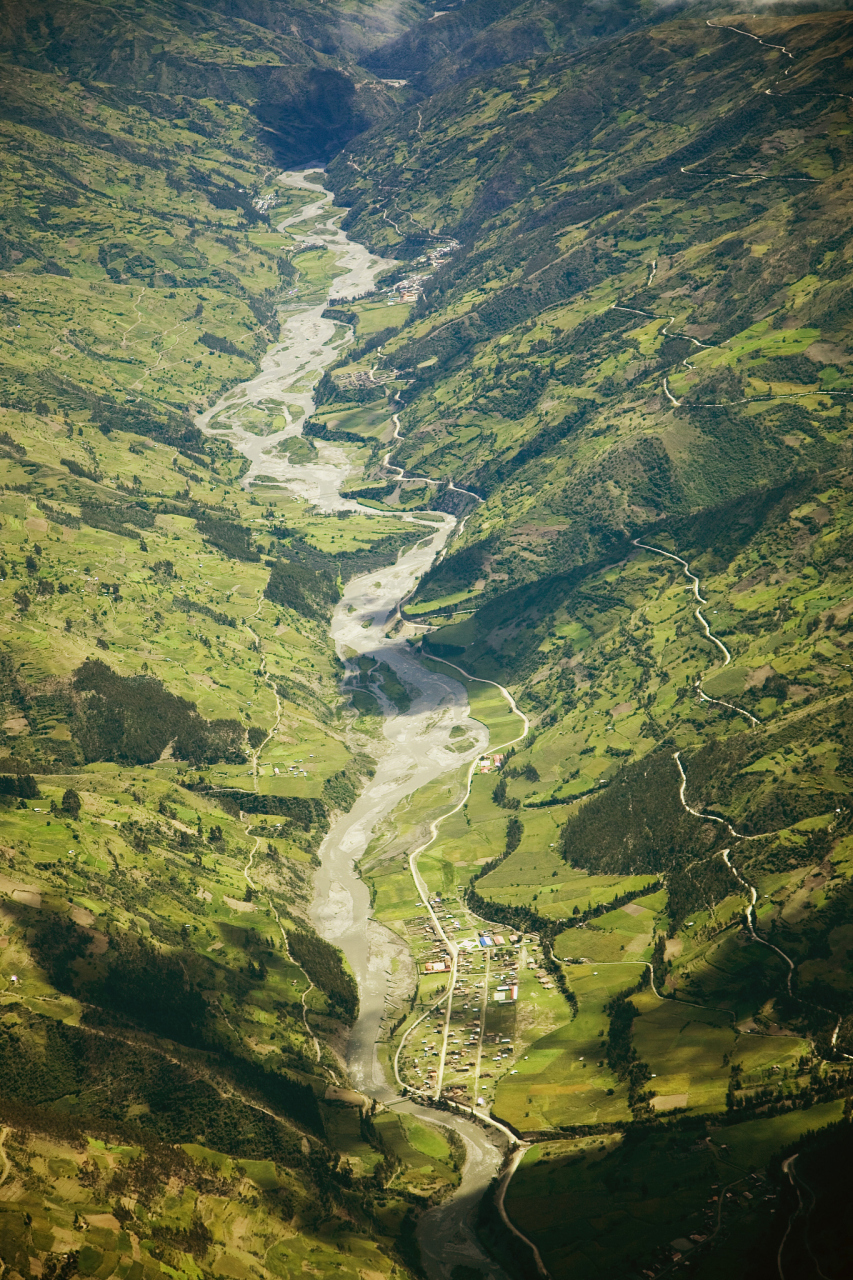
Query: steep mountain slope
173, 752
173, 746
636, 352
308, 92
602, 247
343, 28
475, 37
629, 366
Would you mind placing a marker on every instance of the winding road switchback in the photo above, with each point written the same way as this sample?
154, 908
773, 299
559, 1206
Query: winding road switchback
703, 621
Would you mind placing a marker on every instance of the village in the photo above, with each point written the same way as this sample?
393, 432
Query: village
460, 1056
412, 287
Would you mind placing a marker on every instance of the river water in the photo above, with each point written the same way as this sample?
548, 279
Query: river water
417, 744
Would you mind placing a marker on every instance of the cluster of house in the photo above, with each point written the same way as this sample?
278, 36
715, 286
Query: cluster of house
263, 204
440, 962
293, 770
410, 289
362, 378
487, 763
545, 980
406, 290
442, 251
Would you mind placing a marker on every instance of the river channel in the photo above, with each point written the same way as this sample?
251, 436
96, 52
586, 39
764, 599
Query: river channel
417, 744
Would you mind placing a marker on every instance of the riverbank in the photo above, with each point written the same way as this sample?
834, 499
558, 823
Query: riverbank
417, 744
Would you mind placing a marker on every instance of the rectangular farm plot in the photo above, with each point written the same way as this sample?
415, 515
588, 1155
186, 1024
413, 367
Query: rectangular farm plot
373, 316
726, 683
365, 420
559, 1080
537, 875
625, 933
689, 1049
612, 946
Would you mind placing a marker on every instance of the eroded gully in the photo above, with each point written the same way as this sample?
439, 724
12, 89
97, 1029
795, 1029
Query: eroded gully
417, 744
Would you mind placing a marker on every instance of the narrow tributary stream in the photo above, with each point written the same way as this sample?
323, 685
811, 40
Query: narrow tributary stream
417, 748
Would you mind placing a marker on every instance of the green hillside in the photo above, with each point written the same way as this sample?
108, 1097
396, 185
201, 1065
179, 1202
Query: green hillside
644, 334
174, 745
559, 417
616, 344
299, 78
473, 37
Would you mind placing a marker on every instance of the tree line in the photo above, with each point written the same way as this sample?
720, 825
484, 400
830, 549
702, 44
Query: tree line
324, 965
132, 719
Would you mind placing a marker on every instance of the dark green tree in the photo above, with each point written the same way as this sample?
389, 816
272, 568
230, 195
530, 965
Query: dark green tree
71, 803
